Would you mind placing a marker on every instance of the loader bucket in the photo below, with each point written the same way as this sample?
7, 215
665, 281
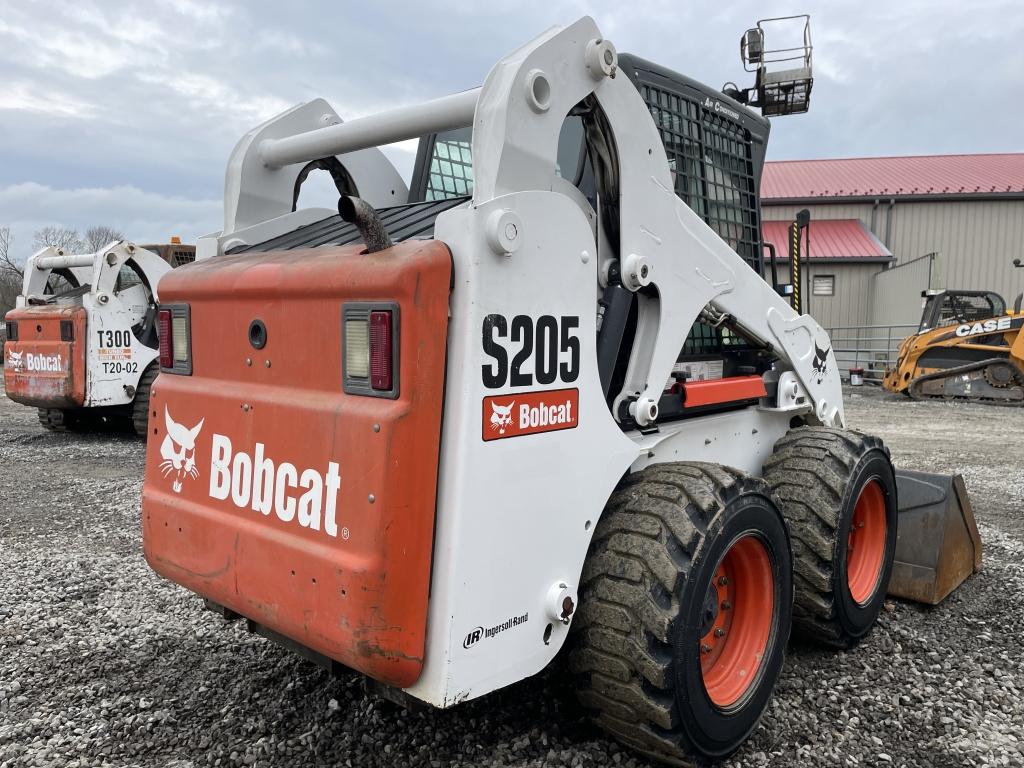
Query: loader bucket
938, 545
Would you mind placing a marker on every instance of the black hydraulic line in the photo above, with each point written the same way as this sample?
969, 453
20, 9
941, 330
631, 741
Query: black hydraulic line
615, 306
775, 274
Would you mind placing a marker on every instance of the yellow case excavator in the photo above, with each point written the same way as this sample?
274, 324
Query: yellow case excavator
969, 347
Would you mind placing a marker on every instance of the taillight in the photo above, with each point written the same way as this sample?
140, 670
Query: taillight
163, 332
357, 348
67, 330
380, 350
370, 346
12, 330
173, 328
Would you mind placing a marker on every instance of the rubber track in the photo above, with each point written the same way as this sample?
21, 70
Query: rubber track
809, 472
643, 545
140, 405
915, 384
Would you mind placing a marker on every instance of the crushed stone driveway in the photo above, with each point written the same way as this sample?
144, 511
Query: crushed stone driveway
103, 663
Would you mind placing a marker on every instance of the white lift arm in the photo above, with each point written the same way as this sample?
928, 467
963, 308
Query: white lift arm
517, 117
663, 243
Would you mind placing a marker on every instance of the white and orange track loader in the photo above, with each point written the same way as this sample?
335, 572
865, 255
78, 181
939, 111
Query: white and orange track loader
540, 399
82, 338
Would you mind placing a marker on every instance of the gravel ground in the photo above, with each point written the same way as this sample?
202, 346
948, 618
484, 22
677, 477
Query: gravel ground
102, 663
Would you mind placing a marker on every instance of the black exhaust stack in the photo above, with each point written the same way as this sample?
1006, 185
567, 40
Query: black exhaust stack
357, 211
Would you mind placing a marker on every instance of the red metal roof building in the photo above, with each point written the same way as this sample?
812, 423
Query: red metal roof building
870, 177
839, 239
943, 221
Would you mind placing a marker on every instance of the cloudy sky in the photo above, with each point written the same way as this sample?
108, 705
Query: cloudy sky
124, 113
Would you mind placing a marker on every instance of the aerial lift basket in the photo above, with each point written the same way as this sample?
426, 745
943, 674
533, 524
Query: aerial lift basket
783, 74
938, 546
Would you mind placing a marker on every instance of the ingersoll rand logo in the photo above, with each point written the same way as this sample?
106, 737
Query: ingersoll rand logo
304, 497
477, 634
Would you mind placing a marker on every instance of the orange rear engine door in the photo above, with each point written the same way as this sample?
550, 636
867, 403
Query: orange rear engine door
272, 491
45, 366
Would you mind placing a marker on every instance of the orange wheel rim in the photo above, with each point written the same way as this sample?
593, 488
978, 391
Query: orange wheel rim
865, 548
737, 619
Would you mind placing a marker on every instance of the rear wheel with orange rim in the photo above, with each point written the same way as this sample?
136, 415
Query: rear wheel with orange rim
837, 489
685, 609
865, 542
737, 621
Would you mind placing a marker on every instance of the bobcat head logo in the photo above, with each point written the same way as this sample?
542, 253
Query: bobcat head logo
501, 416
14, 359
178, 450
819, 366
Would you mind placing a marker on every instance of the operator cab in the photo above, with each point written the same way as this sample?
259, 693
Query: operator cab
945, 308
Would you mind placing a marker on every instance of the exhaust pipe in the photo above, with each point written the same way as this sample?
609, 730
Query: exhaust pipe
357, 211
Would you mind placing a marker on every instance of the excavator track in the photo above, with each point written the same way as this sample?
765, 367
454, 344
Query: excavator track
971, 382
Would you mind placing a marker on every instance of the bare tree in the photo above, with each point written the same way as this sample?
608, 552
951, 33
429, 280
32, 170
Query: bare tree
10, 287
10, 273
7, 263
99, 236
66, 239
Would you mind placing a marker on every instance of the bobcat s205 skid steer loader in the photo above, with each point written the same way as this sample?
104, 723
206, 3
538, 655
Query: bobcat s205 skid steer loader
543, 398
82, 341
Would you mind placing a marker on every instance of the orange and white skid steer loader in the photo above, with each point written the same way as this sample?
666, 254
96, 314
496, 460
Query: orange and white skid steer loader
544, 392
82, 341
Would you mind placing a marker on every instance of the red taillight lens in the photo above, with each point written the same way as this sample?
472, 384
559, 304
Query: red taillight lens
165, 332
381, 353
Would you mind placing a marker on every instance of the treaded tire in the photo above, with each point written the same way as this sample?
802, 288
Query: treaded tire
817, 474
636, 645
140, 405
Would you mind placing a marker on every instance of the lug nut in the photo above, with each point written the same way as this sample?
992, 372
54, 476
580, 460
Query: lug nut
719, 632
705, 648
723, 581
726, 605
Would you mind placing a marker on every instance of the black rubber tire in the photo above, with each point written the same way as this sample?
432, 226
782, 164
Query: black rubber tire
140, 405
817, 474
635, 646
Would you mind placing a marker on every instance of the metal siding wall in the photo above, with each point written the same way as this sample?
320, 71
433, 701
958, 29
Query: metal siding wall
852, 301
849, 305
860, 211
896, 293
977, 242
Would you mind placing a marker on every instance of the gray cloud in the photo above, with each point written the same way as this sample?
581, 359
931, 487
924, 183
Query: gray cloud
125, 113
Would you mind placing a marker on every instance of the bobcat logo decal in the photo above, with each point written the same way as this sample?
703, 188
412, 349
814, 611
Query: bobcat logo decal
501, 416
14, 359
820, 365
178, 450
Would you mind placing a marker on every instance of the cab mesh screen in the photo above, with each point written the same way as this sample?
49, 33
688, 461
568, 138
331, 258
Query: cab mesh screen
710, 158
